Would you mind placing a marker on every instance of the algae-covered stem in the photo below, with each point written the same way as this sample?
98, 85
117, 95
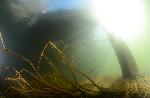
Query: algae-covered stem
126, 60
2, 42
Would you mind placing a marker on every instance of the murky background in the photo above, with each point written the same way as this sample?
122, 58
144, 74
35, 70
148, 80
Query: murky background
28, 24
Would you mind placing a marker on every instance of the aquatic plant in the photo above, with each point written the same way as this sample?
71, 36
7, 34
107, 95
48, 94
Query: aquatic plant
126, 60
58, 84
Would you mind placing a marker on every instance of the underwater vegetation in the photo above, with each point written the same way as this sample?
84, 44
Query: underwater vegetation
126, 60
44, 69
65, 80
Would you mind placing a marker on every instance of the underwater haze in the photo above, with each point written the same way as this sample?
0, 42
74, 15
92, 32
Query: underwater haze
27, 25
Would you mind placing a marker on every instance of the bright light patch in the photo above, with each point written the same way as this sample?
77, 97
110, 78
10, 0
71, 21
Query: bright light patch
125, 18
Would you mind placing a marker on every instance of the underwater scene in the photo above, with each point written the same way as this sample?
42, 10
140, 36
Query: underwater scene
74, 49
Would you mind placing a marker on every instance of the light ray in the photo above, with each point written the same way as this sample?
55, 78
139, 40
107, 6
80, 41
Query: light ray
125, 18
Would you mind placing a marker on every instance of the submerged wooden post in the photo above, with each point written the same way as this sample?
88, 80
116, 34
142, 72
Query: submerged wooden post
126, 60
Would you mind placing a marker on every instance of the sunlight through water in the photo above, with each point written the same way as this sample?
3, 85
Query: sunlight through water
125, 18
